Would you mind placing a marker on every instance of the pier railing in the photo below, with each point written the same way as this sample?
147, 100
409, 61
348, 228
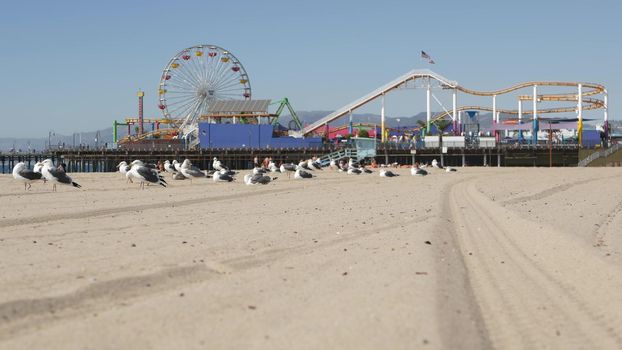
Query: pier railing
599, 154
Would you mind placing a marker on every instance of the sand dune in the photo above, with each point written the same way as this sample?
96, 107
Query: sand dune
480, 258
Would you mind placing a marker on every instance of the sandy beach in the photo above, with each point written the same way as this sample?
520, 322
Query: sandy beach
482, 258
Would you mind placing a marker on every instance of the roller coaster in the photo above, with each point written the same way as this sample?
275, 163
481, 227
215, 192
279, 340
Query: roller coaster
589, 96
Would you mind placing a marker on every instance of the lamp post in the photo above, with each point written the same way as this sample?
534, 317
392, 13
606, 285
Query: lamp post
50, 134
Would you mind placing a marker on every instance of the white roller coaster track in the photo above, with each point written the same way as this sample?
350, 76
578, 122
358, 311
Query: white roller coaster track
588, 103
412, 75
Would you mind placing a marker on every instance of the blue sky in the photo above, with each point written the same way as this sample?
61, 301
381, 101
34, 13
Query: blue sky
76, 65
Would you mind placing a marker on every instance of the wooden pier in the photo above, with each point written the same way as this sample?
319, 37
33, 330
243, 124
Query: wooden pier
107, 160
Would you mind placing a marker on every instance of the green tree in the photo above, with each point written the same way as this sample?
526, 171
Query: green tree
442, 124
363, 133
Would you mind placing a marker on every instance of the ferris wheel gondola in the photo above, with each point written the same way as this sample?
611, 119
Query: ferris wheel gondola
196, 77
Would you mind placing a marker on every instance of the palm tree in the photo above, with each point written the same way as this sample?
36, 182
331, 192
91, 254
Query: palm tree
442, 124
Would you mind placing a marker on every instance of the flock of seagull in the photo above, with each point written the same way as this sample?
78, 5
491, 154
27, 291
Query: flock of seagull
43, 171
147, 174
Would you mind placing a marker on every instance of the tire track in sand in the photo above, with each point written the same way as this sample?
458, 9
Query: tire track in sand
130, 208
526, 303
551, 191
600, 233
24, 315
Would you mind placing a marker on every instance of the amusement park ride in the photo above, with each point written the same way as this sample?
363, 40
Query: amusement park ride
196, 78
584, 99
191, 83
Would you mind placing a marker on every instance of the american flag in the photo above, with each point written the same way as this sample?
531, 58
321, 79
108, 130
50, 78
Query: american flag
427, 57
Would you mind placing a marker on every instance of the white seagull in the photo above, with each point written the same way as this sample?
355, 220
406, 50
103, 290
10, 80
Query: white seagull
287, 168
56, 175
313, 165
416, 171
169, 168
123, 169
258, 179
176, 166
301, 174
190, 171
354, 171
387, 173
217, 165
273, 168
220, 177
144, 174
259, 170
27, 176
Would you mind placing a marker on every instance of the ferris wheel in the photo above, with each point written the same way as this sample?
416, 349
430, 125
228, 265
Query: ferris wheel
196, 77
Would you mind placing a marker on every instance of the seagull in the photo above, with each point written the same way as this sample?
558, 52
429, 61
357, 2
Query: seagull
301, 174
216, 164
354, 171
190, 171
450, 169
387, 173
220, 177
333, 164
56, 175
37, 169
226, 172
304, 165
144, 174
273, 168
123, 169
367, 171
416, 171
176, 166
27, 176
436, 164
287, 168
258, 179
313, 165
169, 168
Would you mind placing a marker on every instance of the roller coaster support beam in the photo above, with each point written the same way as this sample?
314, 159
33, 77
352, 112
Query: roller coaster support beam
520, 118
534, 131
382, 126
350, 130
494, 116
460, 121
455, 113
428, 111
580, 112
114, 131
606, 125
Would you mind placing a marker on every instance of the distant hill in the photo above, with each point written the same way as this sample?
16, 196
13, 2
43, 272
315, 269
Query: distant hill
308, 117
88, 138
